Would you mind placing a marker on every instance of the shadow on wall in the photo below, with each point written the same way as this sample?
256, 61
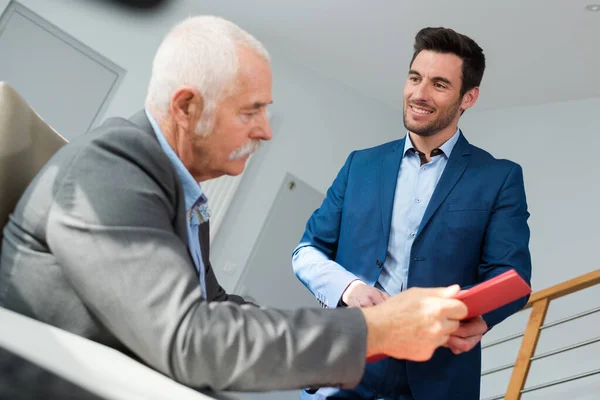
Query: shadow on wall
138, 4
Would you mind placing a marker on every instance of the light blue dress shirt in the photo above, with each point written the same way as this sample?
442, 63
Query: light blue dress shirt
414, 188
196, 205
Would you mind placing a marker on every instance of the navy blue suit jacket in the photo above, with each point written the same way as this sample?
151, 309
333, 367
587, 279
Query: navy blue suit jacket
474, 228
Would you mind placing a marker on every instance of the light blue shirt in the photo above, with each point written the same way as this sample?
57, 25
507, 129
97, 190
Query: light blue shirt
196, 205
414, 188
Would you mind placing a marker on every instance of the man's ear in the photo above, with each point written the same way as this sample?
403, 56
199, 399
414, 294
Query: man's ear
187, 105
469, 99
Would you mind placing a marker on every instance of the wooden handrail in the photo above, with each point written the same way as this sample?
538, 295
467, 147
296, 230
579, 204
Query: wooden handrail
540, 301
565, 288
528, 345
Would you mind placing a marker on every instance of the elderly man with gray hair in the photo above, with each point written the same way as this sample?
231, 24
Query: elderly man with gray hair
110, 242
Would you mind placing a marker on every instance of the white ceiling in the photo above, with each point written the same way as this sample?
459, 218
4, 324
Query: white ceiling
538, 51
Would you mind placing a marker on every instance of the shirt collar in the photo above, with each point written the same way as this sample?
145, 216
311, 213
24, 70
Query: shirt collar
191, 189
446, 148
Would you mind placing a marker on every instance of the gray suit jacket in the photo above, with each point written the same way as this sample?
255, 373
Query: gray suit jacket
97, 245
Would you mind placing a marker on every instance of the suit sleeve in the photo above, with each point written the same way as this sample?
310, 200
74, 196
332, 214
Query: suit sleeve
313, 259
111, 229
506, 241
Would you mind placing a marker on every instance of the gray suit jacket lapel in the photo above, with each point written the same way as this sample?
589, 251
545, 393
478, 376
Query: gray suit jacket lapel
141, 121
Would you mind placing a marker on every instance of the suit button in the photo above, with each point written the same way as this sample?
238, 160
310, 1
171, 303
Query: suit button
379, 263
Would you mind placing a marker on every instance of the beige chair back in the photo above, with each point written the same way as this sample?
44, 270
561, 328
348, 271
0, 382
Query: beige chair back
26, 144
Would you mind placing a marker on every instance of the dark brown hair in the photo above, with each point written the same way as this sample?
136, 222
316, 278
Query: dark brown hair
444, 40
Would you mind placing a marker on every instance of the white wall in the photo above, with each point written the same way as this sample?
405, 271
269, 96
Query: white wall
557, 145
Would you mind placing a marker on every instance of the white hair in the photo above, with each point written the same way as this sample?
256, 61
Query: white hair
200, 52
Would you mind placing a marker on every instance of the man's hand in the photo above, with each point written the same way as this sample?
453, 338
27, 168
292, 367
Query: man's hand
467, 335
358, 294
413, 324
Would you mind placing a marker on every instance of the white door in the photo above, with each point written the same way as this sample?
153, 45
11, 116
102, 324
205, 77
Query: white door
268, 277
68, 84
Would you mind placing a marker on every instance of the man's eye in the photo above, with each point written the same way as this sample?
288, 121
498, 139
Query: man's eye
247, 116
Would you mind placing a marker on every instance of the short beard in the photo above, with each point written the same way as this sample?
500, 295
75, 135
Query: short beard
434, 126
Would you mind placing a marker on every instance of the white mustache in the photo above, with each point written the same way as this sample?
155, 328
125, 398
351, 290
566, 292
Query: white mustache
246, 150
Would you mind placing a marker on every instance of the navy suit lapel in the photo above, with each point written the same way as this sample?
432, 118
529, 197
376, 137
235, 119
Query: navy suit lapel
389, 177
457, 163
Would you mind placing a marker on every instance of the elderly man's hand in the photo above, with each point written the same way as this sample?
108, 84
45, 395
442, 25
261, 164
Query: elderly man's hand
467, 335
413, 324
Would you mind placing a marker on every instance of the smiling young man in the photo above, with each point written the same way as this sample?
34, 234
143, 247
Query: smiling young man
426, 210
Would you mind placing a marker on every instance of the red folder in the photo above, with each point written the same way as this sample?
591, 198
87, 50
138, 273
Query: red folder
488, 296
494, 293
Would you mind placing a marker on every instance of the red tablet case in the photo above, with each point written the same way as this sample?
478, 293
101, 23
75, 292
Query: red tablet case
494, 293
487, 296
